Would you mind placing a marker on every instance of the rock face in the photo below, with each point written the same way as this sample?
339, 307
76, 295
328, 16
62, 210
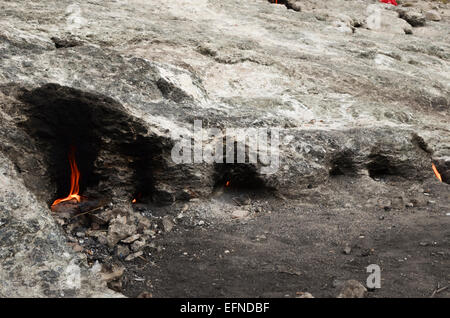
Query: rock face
35, 259
125, 80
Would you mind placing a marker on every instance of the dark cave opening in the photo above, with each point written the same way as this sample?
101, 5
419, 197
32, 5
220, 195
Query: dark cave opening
113, 152
239, 177
59, 123
380, 166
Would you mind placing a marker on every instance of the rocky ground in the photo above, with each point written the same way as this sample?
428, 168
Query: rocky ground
358, 89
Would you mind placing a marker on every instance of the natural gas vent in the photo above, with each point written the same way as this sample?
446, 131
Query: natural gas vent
239, 177
441, 170
112, 150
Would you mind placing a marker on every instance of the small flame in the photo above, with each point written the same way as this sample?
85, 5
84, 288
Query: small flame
436, 172
227, 184
139, 195
74, 180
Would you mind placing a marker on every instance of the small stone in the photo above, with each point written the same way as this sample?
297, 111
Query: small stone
115, 272
261, 237
201, 222
122, 251
144, 223
385, 204
296, 6
77, 248
81, 234
242, 200
352, 289
102, 239
239, 214
412, 17
167, 223
347, 250
303, 295
423, 244
131, 239
433, 15
133, 256
138, 245
119, 230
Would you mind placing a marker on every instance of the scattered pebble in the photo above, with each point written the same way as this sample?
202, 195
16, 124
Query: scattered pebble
352, 289
131, 239
122, 251
77, 248
261, 237
167, 223
239, 214
347, 250
433, 15
133, 256
138, 245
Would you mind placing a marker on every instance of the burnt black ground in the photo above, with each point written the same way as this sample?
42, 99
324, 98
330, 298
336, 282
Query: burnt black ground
298, 247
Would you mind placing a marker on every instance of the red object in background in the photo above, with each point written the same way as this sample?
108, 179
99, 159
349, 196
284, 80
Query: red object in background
389, 1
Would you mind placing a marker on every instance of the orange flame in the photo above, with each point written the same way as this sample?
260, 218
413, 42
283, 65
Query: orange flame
74, 180
436, 172
139, 195
227, 184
